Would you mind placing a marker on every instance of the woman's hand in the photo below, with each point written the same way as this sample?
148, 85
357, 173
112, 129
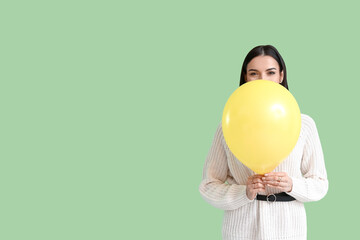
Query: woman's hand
279, 180
254, 185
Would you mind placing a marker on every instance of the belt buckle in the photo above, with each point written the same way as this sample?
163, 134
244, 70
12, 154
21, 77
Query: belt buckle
267, 198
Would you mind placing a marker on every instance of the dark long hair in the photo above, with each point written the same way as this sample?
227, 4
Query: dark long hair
264, 50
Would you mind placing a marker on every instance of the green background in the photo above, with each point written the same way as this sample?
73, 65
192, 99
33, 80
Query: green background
109, 108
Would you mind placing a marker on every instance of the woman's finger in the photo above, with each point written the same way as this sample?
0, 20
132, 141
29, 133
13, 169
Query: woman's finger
257, 185
279, 174
277, 184
257, 180
275, 179
253, 179
283, 187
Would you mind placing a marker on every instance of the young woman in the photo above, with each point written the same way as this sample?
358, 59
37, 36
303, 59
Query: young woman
269, 206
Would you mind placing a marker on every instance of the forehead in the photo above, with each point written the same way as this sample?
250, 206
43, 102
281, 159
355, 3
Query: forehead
262, 63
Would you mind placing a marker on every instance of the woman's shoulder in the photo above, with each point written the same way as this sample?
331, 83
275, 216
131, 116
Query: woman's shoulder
306, 118
219, 128
307, 122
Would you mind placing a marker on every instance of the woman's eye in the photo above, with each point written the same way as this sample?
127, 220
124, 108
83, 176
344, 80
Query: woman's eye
271, 73
252, 74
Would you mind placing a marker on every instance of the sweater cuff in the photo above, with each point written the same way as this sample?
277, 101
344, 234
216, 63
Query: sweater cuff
240, 200
244, 198
299, 190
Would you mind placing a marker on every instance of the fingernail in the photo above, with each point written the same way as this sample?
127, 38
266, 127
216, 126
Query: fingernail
263, 178
266, 174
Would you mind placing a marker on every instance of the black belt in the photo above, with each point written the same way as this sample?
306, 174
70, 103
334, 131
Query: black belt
278, 197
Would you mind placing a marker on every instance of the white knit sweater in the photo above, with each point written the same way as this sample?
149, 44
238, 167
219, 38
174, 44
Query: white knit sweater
224, 186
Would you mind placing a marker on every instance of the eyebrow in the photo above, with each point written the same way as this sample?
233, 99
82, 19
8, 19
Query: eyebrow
266, 69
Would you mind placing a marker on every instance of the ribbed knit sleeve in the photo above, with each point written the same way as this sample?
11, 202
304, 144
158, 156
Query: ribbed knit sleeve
313, 185
213, 187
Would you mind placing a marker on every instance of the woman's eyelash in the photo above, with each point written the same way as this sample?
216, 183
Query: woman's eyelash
253, 73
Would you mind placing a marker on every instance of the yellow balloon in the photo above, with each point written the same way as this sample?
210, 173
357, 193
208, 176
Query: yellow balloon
261, 123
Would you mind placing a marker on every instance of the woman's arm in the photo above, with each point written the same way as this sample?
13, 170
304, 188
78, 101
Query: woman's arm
313, 186
213, 187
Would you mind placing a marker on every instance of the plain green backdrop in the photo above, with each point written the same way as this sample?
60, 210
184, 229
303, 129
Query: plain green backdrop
109, 108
